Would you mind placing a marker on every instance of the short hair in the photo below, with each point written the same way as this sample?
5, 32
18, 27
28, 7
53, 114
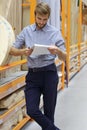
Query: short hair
42, 8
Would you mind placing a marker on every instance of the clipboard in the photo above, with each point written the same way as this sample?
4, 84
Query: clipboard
40, 50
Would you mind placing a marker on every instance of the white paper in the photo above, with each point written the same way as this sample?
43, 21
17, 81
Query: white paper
40, 50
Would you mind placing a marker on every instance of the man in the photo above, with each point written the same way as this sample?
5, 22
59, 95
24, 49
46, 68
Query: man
42, 75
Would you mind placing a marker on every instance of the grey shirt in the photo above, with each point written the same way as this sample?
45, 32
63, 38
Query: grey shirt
46, 36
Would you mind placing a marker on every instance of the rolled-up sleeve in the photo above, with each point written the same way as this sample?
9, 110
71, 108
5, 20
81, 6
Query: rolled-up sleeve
60, 41
20, 40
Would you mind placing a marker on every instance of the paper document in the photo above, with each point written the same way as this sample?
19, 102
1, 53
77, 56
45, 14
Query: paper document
40, 50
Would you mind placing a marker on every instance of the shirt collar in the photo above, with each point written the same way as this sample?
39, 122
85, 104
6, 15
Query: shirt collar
34, 27
43, 29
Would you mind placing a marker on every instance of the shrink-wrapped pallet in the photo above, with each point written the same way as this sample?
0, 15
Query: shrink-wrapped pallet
8, 101
6, 126
19, 97
11, 100
19, 115
24, 111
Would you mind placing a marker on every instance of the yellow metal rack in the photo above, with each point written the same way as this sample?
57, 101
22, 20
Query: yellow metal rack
78, 48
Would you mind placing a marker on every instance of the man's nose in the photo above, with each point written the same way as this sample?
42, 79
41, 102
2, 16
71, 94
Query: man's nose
41, 21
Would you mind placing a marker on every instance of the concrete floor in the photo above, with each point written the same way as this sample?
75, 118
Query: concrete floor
71, 108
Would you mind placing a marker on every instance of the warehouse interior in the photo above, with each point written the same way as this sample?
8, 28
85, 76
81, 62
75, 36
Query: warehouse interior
69, 16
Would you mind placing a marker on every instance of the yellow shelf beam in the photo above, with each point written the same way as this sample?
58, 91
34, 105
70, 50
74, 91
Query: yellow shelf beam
11, 86
22, 123
13, 64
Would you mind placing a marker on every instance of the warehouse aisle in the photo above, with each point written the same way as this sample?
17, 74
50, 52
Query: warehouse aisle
72, 104
71, 109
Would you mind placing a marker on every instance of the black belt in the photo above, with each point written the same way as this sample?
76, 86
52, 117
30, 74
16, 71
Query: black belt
51, 67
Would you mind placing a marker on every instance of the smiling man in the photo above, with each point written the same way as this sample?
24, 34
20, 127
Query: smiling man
42, 78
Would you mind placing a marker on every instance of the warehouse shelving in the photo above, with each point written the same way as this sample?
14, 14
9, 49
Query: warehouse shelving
11, 111
10, 87
83, 53
75, 62
22, 123
16, 63
31, 4
76, 51
13, 85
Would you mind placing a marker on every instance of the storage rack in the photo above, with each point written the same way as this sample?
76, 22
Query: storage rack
9, 88
75, 52
31, 4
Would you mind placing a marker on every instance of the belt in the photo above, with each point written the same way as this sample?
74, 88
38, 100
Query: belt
45, 68
36, 69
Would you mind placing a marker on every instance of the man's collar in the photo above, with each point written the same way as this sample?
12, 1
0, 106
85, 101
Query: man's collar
34, 27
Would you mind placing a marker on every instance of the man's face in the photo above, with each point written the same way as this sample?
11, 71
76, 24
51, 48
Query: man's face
41, 20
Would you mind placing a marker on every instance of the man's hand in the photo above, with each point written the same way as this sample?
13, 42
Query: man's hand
56, 51
53, 50
28, 51
19, 52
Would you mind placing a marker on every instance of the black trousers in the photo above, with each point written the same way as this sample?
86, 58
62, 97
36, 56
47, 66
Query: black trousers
37, 83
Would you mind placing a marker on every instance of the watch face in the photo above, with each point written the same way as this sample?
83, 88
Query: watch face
7, 37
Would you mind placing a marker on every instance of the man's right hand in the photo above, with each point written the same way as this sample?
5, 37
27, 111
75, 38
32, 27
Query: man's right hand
28, 51
19, 52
